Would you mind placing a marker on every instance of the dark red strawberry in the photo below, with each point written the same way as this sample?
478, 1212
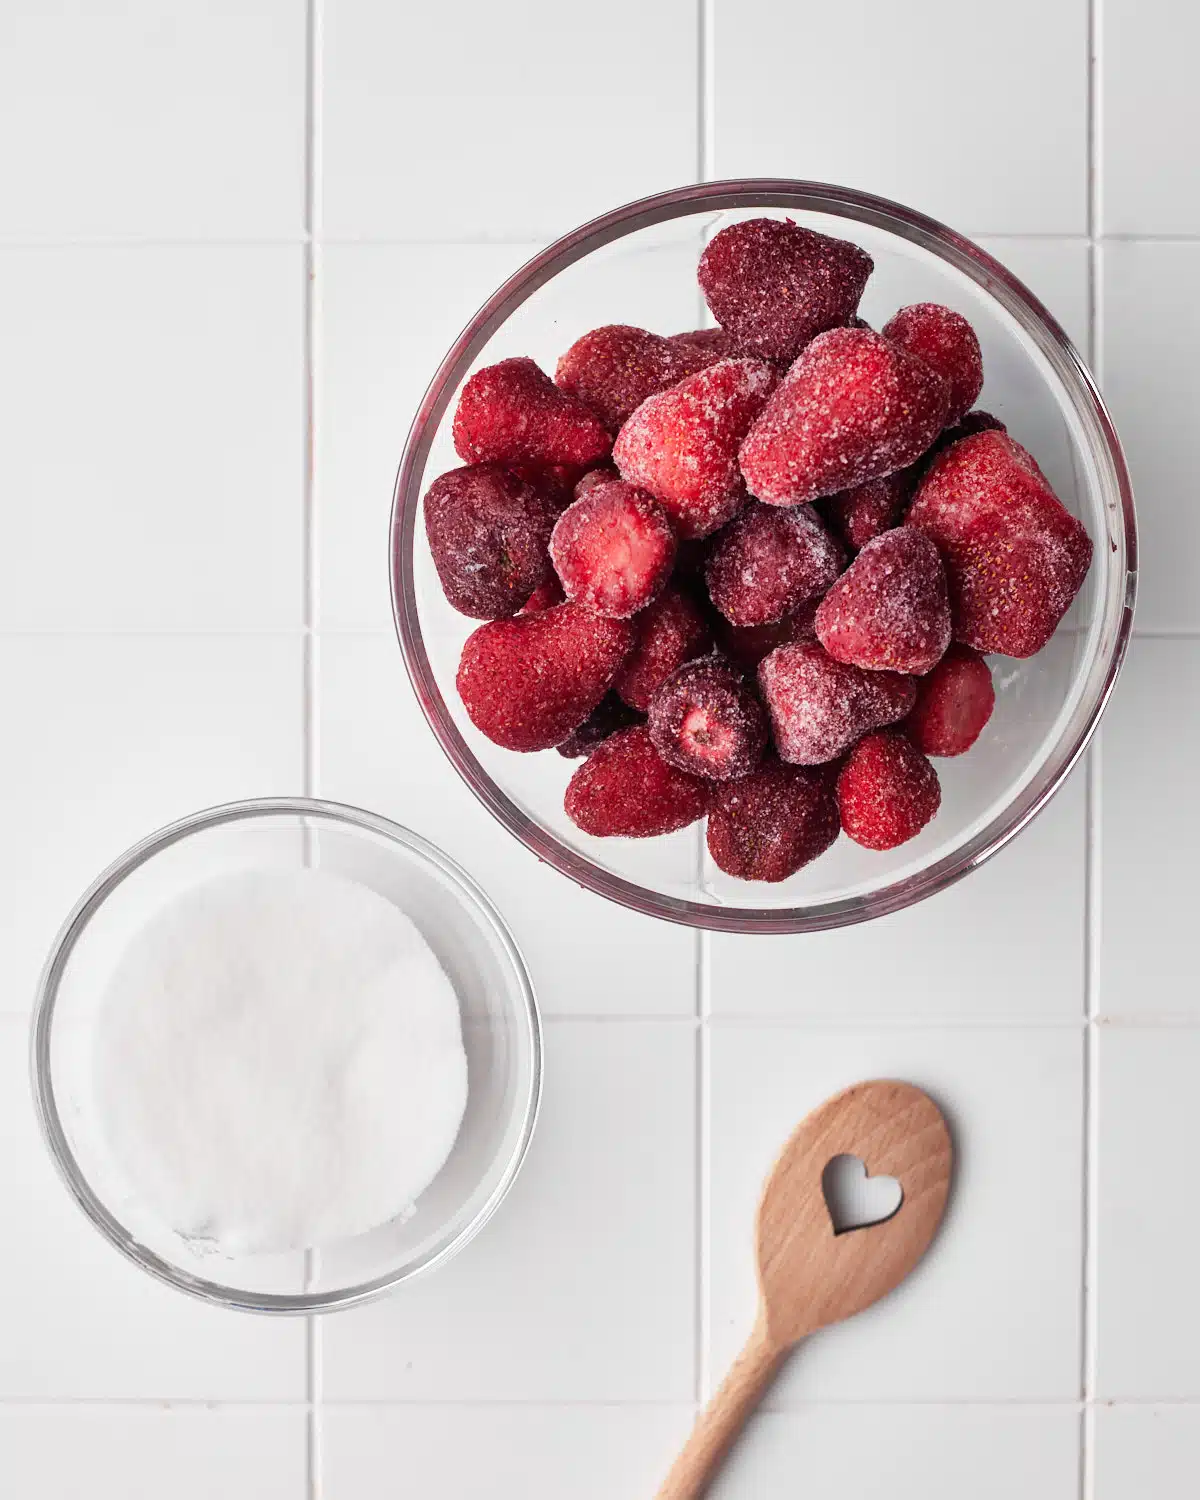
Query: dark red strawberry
626, 790
947, 343
707, 719
710, 344
953, 704
770, 824
773, 286
1015, 556
488, 532
819, 707
613, 369
890, 609
682, 444
670, 631
853, 407
609, 715
887, 791
613, 550
769, 562
748, 644
527, 683
513, 413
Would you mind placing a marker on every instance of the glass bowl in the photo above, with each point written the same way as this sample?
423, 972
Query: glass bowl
501, 1036
637, 265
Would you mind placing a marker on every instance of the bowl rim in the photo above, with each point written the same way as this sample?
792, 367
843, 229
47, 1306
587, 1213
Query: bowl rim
949, 246
46, 1106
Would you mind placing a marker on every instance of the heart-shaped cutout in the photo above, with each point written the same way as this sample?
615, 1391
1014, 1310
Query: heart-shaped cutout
854, 1200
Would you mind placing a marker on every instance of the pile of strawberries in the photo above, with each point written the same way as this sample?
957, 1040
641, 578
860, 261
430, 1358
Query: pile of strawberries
749, 572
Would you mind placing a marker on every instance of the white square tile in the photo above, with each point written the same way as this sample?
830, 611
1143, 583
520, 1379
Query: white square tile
1149, 117
1148, 1332
114, 735
862, 1452
462, 1452
992, 1313
1150, 823
128, 119
1147, 1452
1056, 272
1150, 329
583, 1286
549, 116
145, 1453
82, 1322
388, 315
377, 750
1006, 942
921, 107
154, 437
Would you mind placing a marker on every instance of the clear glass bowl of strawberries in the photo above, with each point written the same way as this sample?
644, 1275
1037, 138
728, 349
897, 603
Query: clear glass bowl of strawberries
763, 556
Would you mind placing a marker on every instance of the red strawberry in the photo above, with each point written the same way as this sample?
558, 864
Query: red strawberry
488, 532
682, 444
608, 716
748, 644
947, 343
773, 286
613, 550
819, 706
887, 791
1015, 556
889, 609
613, 369
860, 514
953, 704
853, 407
706, 719
670, 631
527, 683
513, 413
769, 562
626, 790
770, 824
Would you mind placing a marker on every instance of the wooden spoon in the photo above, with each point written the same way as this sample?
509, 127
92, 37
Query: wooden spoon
809, 1274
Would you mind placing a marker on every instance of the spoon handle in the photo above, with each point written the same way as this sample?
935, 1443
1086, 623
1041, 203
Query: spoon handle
721, 1421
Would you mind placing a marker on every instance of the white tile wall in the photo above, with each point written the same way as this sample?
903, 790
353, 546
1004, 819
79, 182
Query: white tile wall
235, 235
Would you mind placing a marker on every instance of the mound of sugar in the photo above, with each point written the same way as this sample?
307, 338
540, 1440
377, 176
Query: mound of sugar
278, 1062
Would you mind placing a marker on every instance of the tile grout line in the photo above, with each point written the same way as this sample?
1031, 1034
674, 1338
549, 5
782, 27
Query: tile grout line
313, 1382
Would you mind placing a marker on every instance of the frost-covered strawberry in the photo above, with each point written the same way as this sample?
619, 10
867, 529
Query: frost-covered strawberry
626, 790
887, 791
819, 707
889, 610
613, 550
770, 824
513, 413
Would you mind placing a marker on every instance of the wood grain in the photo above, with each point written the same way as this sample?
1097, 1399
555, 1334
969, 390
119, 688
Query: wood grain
809, 1275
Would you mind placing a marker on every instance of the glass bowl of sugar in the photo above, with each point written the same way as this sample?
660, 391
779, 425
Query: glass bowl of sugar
286, 1055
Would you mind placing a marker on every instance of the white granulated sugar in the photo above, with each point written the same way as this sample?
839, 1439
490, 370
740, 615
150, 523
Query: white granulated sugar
279, 1062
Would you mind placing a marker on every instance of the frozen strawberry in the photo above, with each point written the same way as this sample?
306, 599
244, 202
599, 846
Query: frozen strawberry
669, 632
707, 719
604, 474
953, 704
613, 550
890, 609
887, 791
819, 707
626, 790
527, 682
609, 715
853, 407
748, 644
769, 562
488, 532
1015, 556
710, 344
947, 343
547, 594
613, 369
770, 824
682, 444
513, 413
860, 514
773, 286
